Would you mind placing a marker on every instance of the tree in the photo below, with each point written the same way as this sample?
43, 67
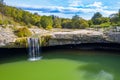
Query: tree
119, 13
46, 22
90, 23
105, 20
97, 15
115, 18
83, 24
56, 22
75, 18
65, 22
75, 21
96, 19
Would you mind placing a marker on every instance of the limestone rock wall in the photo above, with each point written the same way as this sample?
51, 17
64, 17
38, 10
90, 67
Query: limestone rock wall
6, 36
113, 36
76, 37
59, 37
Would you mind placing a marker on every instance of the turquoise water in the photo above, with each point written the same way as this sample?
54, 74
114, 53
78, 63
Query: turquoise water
63, 65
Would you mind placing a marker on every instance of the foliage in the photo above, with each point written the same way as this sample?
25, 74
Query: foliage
46, 22
19, 15
90, 23
115, 18
21, 42
75, 23
23, 32
0, 22
105, 25
56, 22
25, 18
65, 23
96, 19
44, 40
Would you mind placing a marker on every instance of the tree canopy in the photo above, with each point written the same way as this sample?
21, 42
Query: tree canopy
16, 15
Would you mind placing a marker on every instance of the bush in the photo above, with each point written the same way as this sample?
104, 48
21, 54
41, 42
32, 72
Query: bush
118, 24
44, 40
29, 25
1, 22
23, 32
49, 27
105, 25
21, 42
84, 25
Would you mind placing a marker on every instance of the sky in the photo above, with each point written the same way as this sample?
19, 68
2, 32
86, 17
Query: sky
67, 8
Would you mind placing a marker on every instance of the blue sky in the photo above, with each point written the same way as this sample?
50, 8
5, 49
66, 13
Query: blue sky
68, 8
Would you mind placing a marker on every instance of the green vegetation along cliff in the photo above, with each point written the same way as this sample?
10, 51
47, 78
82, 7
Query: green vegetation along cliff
12, 15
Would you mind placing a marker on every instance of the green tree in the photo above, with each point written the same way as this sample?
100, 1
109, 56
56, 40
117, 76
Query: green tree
83, 24
119, 13
36, 19
56, 22
78, 22
105, 20
46, 22
114, 18
90, 23
96, 19
75, 21
66, 23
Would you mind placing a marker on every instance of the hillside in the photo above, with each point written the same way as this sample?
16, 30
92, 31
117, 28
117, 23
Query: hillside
16, 25
13, 15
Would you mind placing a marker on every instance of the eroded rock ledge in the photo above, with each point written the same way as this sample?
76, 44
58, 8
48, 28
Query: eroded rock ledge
60, 37
76, 37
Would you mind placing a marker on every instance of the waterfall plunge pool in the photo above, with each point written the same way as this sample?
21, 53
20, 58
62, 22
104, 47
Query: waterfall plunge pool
61, 65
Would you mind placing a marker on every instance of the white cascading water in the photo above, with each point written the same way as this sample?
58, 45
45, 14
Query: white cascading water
34, 49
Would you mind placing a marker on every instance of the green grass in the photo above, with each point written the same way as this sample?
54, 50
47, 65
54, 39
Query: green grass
63, 65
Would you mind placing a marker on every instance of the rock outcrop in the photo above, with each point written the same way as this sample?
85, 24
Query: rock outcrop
77, 37
60, 37
113, 36
6, 36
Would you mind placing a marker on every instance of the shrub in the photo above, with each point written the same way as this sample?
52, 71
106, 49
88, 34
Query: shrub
29, 26
44, 40
23, 32
105, 25
49, 27
84, 25
21, 42
0, 22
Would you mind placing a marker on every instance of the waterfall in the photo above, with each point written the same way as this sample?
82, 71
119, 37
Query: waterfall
34, 49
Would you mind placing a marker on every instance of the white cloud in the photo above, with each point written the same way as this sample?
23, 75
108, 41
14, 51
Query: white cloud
75, 3
96, 4
70, 10
108, 13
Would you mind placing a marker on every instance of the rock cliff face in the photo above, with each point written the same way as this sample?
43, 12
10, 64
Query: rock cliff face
60, 37
6, 36
113, 36
76, 37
